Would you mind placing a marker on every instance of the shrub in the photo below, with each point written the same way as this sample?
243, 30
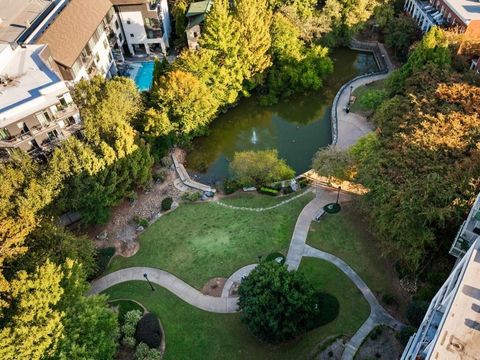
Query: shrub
372, 98
404, 334
148, 331
102, 258
159, 176
167, 204
191, 196
230, 186
140, 221
144, 352
416, 311
389, 299
268, 191
131, 320
132, 196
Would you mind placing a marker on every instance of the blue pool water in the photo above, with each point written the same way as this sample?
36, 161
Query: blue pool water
144, 76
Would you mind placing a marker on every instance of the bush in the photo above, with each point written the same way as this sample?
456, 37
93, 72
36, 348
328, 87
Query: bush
404, 334
144, 352
268, 191
148, 331
167, 204
131, 320
416, 311
141, 221
389, 299
372, 98
230, 186
102, 258
159, 176
191, 196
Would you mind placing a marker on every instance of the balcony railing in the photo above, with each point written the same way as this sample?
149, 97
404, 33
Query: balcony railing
68, 110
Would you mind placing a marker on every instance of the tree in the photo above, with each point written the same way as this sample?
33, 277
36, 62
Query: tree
371, 99
188, 103
157, 123
33, 326
424, 168
253, 17
416, 311
50, 242
221, 35
90, 328
384, 13
402, 32
277, 304
332, 162
296, 68
259, 167
179, 9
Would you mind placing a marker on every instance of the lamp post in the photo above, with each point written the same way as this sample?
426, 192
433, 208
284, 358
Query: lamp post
338, 194
149, 283
350, 98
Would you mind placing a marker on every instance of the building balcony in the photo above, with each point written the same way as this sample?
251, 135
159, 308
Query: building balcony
468, 232
66, 111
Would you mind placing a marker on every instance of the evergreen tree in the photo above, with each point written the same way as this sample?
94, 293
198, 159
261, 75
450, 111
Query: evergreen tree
254, 18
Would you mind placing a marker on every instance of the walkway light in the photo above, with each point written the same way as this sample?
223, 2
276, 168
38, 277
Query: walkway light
338, 193
149, 283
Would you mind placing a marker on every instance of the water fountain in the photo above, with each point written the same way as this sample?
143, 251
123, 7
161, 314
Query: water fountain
254, 138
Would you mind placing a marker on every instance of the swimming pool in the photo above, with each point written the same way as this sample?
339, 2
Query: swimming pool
143, 75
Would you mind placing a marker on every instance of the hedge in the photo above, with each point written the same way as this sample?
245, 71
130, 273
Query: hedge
268, 191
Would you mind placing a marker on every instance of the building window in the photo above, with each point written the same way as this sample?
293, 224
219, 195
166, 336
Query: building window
23, 127
97, 58
131, 35
117, 25
43, 118
52, 135
120, 36
105, 44
70, 120
4, 134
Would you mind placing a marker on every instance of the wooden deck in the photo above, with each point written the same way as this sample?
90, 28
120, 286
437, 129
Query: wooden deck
186, 180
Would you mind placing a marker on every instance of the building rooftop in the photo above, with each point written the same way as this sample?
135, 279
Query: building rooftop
467, 10
197, 11
27, 83
17, 15
459, 335
73, 27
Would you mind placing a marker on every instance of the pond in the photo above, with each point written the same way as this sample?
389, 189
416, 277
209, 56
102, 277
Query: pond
297, 127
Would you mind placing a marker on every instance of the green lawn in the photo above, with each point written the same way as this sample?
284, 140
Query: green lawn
192, 334
356, 107
255, 200
344, 235
197, 242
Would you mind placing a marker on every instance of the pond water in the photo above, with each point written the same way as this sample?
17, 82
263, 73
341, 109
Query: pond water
297, 127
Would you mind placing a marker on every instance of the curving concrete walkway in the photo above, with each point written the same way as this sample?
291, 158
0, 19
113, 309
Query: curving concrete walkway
170, 282
298, 249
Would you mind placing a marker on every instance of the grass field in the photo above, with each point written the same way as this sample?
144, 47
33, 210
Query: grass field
192, 334
200, 241
345, 236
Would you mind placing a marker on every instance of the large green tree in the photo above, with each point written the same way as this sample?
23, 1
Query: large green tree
33, 325
188, 103
277, 304
259, 167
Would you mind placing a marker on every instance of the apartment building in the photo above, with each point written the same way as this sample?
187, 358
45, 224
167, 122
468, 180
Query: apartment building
196, 16
146, 26
451, 327
458, 13
36, 108
78, 38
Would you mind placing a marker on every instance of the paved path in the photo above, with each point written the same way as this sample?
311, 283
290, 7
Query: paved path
284, 202
353, 126
299, 248
170, 282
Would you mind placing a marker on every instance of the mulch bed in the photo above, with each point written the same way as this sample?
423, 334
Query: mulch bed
214, 287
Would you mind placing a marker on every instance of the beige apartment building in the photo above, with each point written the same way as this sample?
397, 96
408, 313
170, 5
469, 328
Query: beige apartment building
36, 108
